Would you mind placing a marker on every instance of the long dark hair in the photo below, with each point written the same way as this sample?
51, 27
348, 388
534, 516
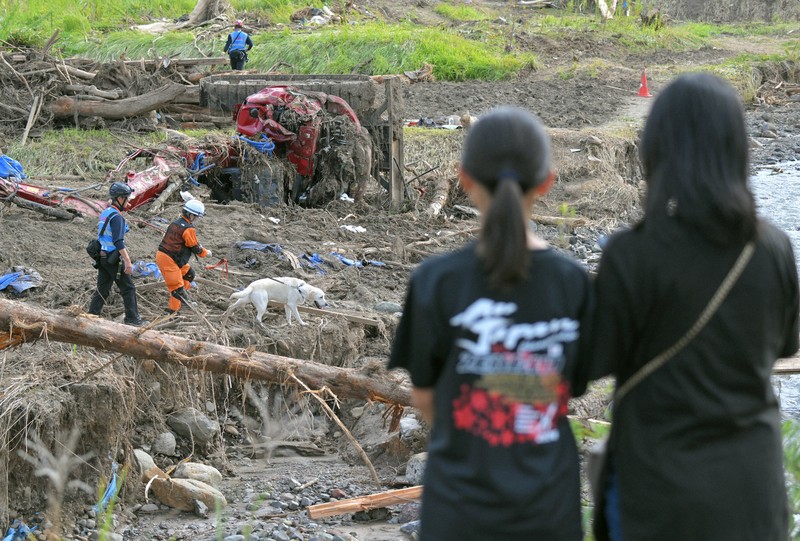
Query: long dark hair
694, 151
508, 152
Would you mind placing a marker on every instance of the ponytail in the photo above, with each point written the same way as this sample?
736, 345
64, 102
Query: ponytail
503, 242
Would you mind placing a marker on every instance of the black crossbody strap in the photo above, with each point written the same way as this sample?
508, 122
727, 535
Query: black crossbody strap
105, 224
710, 309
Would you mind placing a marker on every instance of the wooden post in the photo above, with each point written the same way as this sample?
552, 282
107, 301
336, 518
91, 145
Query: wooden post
396, 172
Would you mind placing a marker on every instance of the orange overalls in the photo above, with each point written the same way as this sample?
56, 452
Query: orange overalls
172, 258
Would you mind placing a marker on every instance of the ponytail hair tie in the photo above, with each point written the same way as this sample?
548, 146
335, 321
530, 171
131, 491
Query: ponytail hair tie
507, 174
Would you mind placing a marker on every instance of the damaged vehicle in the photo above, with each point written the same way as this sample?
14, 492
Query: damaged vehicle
294, 144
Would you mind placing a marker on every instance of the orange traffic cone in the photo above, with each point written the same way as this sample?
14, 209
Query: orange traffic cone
643, 91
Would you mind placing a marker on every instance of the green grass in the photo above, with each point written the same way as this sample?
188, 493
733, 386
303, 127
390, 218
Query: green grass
91, 152
378, 48
31, 22
460, 12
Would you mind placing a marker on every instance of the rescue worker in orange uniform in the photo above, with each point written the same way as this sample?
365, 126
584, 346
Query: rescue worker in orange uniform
177, 246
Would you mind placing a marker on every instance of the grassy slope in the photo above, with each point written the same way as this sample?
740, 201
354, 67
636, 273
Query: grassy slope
472, 46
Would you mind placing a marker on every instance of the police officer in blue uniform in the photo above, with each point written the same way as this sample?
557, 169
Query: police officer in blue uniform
237, 46
115, 265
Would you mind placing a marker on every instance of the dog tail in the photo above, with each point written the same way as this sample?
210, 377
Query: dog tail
243, 293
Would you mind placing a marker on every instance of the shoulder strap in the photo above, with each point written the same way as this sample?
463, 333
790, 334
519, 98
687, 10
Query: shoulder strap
710, 309
108, 220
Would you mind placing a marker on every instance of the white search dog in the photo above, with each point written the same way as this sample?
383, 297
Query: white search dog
285, 289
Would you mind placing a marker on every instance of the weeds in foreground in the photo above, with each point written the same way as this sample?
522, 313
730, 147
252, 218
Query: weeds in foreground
791, 453
57, 468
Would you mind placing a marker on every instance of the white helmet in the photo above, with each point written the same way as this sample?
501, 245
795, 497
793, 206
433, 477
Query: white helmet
194, 207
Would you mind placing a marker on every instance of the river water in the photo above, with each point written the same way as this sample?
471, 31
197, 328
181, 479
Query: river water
777, 193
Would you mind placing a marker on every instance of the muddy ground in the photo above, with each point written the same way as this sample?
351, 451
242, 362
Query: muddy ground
277, 450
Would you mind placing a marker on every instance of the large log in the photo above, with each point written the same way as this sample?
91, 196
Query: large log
66, 106
28, 323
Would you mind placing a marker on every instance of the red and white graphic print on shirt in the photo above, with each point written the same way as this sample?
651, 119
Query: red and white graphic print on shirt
519, 394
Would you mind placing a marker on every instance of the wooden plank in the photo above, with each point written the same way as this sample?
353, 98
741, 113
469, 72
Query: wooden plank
787, 366
365, 503
318, 312
210, 61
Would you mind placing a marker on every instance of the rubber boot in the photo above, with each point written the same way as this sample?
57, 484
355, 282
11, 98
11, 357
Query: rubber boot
182, 295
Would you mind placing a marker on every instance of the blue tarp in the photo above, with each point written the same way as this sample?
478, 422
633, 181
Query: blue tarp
20, 278
111, 489
143, 268
312, 260
18, 532
357, 263
9, 167
260, 246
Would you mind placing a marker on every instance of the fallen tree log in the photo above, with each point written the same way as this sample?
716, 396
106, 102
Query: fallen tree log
66, 106
28, 323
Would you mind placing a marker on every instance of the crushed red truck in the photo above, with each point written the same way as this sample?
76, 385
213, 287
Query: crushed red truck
293, 144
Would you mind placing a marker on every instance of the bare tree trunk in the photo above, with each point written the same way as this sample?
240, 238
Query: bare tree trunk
205, 10
605, 10
66, 106
22, 321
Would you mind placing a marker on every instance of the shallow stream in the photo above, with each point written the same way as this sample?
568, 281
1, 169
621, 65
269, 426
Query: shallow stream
777, 192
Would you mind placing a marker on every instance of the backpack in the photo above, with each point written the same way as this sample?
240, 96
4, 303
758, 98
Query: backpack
93, 248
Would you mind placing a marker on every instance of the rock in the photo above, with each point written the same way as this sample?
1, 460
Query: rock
388, 307
193, 425
409, 427
182, 493
144, 460
199, 472
164, 444
149, 508
200, 509
416, 468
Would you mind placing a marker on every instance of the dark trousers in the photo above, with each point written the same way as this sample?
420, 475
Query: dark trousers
110, 273
238, 59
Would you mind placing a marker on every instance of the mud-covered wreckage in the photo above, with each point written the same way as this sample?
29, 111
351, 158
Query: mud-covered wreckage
296, 142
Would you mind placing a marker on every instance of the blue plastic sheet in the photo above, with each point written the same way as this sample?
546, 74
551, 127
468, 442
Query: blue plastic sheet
9, 167
260, 246
313, 261
143, 268
357, 263
111, 490
20, 279
18, 532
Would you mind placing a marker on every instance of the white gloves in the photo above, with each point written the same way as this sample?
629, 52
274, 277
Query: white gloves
209, 252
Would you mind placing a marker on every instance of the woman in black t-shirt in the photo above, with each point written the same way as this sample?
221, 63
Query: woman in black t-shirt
695, 447
490, 336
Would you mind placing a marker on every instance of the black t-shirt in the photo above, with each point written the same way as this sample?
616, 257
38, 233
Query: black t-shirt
696, 445
502, 460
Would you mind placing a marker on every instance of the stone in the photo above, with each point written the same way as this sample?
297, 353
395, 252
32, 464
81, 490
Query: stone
164, 444
200, 472
144, 460
193, 425
388, 307
416, 468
